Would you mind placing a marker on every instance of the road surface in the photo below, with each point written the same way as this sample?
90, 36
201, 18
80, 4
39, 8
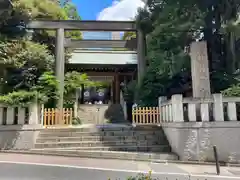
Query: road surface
37, 167
38, 172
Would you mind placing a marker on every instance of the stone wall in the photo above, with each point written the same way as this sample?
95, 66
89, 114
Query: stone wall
18, 136
195, 140
92, 113
101, 113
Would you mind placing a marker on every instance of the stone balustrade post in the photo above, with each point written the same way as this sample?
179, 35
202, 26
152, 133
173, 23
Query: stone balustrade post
34, 116
218, 107
160, 100
177, 108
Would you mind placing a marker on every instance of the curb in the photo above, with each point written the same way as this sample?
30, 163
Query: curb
150, 160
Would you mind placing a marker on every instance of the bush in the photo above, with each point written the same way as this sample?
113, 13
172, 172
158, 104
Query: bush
142, 177
76, 121
234, 90
21, 98
48, 86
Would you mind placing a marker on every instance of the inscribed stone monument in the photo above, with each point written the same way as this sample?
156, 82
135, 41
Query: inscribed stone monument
200, 70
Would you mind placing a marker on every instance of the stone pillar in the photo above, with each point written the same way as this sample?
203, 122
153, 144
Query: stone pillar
200, 70
60, 63
218, 107
141, 53
76, 102
117, 88
177, 108
34, 117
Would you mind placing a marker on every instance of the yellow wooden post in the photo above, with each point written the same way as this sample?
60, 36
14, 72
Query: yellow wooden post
133, 115
67, 116
52, 117
49, 117
147, 115
144, 115
71, 115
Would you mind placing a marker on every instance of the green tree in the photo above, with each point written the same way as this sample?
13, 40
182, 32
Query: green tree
27, 60
170, 26
74, 80
47, 86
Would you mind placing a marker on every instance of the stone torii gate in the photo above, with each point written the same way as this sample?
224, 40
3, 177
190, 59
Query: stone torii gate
61, 25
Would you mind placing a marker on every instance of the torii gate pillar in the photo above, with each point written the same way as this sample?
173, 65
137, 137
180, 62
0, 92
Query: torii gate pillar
60, 63
141, 54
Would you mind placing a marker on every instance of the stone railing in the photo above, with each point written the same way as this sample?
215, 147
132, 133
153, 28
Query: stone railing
194, 125
214, 108
20, 115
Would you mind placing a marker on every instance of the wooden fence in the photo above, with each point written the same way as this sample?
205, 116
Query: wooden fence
146, 115
56, 117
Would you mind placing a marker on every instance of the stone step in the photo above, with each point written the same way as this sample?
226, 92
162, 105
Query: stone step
99, 128
91, 128
105, 147
96, 143
101, 133
147, 138
139, 156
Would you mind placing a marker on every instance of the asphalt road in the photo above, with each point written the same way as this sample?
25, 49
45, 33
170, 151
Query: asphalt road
10, 171
37, 167
38, 172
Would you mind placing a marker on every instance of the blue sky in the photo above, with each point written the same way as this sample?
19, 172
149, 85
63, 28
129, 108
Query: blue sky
120, 10
89, 9
114, 10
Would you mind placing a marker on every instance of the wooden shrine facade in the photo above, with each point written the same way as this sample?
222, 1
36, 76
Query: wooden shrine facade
116, 76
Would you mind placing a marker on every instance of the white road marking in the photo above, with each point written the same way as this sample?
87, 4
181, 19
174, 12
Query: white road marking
118, 170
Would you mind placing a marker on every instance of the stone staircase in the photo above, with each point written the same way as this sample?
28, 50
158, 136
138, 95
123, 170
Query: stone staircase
111, 141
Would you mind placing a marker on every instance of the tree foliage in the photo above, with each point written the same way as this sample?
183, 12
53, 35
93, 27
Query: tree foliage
47, 85
25, 62
28, 56
129, 35
170, 26
21, 98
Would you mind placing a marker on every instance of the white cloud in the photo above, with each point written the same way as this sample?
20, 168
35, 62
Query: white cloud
122, 10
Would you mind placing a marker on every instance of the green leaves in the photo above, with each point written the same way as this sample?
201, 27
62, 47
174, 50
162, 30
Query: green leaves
29, 62
47, 85
20, 53
169, 26
20, 98
34, 9
233, 91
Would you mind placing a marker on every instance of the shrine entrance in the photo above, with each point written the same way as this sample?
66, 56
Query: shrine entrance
112, 80
137, 45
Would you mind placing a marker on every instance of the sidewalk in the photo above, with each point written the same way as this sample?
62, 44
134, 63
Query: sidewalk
197, 169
